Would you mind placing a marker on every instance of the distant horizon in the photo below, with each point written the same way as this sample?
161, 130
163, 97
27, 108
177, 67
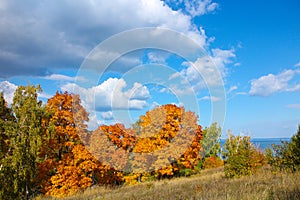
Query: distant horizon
254, 138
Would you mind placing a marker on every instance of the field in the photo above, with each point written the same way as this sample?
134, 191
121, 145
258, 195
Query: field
209, 184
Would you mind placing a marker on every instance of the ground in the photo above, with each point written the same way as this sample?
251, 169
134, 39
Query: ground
209, 184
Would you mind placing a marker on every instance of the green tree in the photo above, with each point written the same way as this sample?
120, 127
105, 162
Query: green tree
6, 118
211, 148
24, 141
211, 141
295, 146
285, 156
241, 156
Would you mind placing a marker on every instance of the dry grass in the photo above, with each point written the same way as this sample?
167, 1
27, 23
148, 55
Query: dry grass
210, 184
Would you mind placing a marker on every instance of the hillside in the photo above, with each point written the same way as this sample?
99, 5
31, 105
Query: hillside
209, 184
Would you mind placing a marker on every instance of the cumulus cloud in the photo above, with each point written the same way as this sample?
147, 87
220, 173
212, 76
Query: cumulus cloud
107, 115
8, 90
37, 35
110, 95
270, 84
193, 7
158, 57
45, 95
209, 70
60, 77
197, 8
155, 105
209, 98
94, 122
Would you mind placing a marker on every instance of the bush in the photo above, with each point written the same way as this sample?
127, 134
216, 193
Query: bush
212, 162
286, 156
186, 172
241, 156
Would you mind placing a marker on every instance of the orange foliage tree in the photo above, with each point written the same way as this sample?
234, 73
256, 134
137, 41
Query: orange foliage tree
163, 141
67, 166
111, 145
174, 137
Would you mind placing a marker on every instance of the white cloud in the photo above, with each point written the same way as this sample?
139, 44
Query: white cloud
208, 70
294, 106
270, 84
157, 57
163, 90
8, 90
193, 7
60, 77
199, 7
138, 92
44, 95
67, 31
154, 105
297, 65
232, 88
209, 98
222, 57
175, 75
179, 90
111, 94
294, 88
107, 115
94, 122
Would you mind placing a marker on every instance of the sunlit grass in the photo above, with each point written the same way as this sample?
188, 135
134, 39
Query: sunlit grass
209, 184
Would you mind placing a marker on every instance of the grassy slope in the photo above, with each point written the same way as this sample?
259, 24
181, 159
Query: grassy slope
210, 184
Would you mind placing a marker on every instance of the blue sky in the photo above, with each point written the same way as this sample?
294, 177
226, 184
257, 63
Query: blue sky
252, 53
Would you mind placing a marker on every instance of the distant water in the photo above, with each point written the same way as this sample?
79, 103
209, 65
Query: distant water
263, 143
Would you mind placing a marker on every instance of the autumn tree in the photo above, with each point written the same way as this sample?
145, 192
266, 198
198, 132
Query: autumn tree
159, 142
154, 150
189, 160
68, 166
60, 139
24, 140
111, 146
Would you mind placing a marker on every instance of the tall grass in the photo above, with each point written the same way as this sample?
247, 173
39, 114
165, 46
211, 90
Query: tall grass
209, 184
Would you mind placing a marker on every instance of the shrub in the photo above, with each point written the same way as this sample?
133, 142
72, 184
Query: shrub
241, 156
286, 156
186, 172
212, 162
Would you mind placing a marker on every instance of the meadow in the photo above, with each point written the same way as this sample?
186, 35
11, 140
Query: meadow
209, 184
